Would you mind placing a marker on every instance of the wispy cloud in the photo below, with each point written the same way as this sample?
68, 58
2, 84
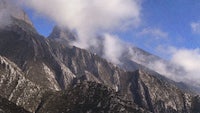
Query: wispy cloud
195, 26
4, 18
189, 59
184, 65
10, 9
5, 12
154, 32
113, 48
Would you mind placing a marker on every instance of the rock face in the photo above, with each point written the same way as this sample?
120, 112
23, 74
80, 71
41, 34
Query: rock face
44, 75
157, 94
9, 107
16, 88
87, 97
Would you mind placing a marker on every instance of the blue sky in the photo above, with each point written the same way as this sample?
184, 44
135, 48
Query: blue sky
164, 23
172, 17
43, 24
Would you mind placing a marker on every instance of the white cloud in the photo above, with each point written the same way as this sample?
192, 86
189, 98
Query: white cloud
195, 26
183, 65
155, 32
187, 66
89, 17
189, 60
113, 48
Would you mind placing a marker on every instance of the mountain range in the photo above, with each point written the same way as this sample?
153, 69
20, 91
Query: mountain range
49, 75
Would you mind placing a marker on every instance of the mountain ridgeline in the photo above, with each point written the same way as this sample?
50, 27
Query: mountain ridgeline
45, 75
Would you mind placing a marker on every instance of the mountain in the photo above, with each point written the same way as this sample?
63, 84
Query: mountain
133, 58
15, 87
63, 35
43, 75
7, 9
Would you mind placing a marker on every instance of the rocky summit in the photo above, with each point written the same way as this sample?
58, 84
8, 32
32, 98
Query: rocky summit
47, 75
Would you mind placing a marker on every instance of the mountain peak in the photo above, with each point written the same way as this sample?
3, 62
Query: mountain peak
63, 34
8, 9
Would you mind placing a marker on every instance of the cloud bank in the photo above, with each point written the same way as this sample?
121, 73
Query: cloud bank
183, 65
89, 17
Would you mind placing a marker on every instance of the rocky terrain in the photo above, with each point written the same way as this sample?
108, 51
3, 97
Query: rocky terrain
45, 75
9, 107
87, 97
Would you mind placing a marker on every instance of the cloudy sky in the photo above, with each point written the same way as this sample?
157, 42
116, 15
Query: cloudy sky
157, 24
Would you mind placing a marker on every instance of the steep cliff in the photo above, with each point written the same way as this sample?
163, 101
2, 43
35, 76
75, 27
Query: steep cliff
15, 87
156, 93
